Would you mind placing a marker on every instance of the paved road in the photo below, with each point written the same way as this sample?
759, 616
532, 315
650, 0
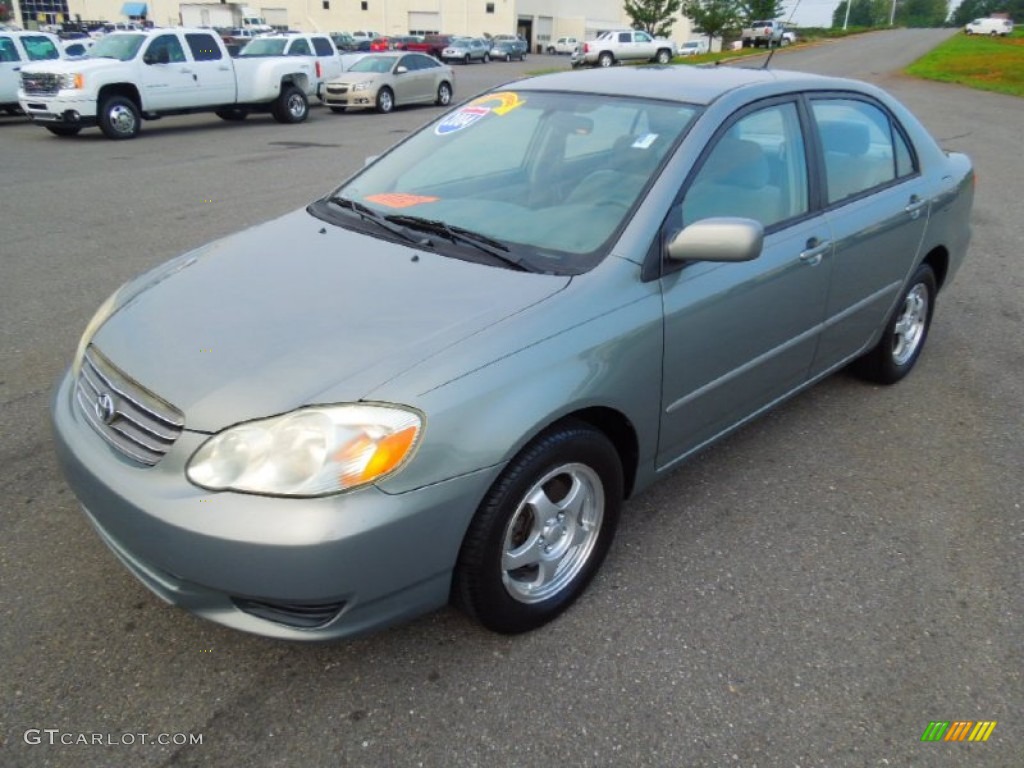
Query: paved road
812, 592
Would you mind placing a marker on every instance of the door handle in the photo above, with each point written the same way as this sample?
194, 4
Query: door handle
814, 250
915, 206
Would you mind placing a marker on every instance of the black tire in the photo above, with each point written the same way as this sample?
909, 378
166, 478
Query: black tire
487, 58
570, 462
291, 106
119, 118
338, 110
605, 59
664, 56
385, 101
467, 60
905, 333
64, 130
508, 58
232, 114
444, 94
551, 49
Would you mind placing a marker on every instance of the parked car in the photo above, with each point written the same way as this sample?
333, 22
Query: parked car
383, 81
763, 33
621, 45
17, 49
788, 37
994, 27
343, 41
132, 76
441, 380
506, 50
564, 45
467, 50
431, 44
517, 41
694, 47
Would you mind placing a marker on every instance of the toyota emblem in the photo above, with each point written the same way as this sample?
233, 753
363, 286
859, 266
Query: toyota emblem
106, 409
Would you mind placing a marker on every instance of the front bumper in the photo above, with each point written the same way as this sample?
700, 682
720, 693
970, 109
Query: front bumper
58, 109
300, 569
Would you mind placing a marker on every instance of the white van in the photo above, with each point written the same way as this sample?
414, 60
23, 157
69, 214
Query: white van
16, 50
989, 27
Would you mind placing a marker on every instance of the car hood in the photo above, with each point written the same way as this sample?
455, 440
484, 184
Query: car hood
80, 64
285, 313
351, 78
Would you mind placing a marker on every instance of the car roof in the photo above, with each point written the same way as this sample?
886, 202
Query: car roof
687, 85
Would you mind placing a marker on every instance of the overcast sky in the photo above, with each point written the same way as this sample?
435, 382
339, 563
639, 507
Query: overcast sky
812, 13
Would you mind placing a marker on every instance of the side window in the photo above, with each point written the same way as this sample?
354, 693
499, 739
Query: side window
168, 43
862, 148
39, 48
643, 37
409, 62
300, 48
7, 50
203, 47
756, 170
322, 46
625, 37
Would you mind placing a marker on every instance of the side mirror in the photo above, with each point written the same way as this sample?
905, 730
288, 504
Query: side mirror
401, 70
719, 239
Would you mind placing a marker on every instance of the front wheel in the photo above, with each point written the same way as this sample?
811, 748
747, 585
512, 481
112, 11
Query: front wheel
542, 531
901, 343
291, 106
444, 95
605, 59
64, 130
385, 101
119, 118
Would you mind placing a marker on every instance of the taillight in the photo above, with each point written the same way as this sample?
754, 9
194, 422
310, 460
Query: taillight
586, 47
318, 69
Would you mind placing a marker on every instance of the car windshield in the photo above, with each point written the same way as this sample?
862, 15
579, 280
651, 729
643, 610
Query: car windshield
117, 46
551, 176
265, 46
373, 64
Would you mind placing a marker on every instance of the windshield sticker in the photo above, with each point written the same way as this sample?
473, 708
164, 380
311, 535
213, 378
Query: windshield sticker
498, 103
506, 102
644, 142
399, 199
464, 118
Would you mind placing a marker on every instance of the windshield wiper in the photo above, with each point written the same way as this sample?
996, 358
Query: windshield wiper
488, 245
368, 214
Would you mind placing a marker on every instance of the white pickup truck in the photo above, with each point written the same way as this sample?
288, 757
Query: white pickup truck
16, 50
623, 45
131, 76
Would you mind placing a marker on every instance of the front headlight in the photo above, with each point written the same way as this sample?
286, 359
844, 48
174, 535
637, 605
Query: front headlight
72, 81
360, 86
309, 452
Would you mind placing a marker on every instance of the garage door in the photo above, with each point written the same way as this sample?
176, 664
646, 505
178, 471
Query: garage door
276, 17
424, 23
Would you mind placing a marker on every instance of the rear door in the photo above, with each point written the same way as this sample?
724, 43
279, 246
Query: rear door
878, 208
214, 72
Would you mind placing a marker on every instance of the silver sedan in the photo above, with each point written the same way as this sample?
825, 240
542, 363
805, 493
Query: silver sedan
383, 81
441, 381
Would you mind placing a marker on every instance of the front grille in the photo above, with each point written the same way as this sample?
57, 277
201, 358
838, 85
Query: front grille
298, 615
137, 423
40, 84
337, 89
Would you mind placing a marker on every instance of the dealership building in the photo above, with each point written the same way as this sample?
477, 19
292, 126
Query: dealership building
538, 21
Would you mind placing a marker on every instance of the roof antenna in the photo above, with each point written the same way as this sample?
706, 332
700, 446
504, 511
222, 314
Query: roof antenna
773, 49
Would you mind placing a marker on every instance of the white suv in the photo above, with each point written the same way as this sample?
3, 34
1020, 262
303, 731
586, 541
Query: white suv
18, 48
989, 27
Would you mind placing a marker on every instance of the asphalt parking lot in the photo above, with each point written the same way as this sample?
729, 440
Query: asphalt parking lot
811, 592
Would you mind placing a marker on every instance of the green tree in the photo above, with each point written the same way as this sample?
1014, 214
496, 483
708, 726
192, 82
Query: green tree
922, 13
713, 17
756, 10
653, 16
863, 13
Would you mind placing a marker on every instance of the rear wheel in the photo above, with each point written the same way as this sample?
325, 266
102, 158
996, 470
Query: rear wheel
444, 95
467, 59
605, 59
901, 343
385, 100
542, 531
64, 130
291, 106
119, 118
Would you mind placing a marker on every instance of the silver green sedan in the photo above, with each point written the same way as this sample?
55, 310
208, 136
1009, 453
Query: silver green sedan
442, 381
383, 81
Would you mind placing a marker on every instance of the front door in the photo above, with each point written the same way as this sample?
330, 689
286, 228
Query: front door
169, 80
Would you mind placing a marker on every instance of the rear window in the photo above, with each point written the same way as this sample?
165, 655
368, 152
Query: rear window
323, 46
203, 47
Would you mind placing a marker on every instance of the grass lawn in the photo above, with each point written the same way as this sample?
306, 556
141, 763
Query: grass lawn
982, 62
